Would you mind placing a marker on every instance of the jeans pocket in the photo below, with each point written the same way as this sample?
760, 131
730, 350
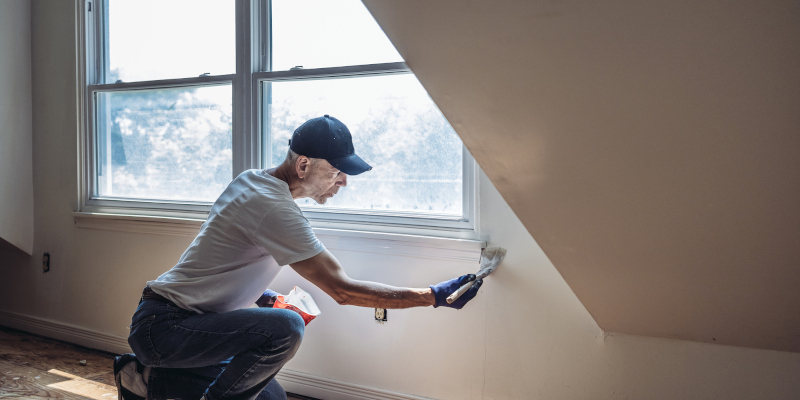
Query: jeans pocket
138, 320
141, 343
165, 335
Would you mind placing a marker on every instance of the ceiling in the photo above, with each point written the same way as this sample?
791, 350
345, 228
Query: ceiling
652, 149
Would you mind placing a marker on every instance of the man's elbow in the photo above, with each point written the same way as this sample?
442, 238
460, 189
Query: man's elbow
342, 298
343, 293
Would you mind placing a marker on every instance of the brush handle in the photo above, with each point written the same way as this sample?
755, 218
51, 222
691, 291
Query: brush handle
463, 289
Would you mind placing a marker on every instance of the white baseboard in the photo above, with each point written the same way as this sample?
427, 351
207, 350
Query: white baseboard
329, 389
293, 381
66, 332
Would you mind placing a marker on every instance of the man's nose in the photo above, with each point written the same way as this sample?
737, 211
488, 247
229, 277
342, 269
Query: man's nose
342, 180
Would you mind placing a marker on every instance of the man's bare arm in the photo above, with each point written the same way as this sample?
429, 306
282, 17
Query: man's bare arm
324, 271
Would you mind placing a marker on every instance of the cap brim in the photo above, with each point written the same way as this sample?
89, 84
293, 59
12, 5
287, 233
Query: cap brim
351, 165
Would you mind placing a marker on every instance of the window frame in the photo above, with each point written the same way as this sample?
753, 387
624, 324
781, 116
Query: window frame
249, 146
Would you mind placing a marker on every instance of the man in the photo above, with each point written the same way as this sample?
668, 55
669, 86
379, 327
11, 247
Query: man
194, 333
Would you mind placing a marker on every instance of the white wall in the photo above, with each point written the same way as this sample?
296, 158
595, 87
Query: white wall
525, 336
16, 186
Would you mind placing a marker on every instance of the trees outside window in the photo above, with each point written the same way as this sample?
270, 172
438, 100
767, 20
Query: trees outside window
182, 95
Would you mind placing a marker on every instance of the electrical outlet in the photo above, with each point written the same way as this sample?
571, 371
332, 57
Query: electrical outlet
45, 262
380, 315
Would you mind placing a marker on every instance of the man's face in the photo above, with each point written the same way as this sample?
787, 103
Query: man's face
323, 181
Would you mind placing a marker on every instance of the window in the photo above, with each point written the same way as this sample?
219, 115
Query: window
183, 95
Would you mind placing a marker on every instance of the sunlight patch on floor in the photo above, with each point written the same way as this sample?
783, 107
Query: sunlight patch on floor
84, 387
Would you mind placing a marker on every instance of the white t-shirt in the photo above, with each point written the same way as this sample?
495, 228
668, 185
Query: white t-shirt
254, 228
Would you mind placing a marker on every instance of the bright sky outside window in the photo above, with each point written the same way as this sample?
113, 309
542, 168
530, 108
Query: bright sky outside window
162, 39
325, 33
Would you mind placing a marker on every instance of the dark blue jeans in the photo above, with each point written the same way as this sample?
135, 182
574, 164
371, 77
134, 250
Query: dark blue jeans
248, 347
191, 383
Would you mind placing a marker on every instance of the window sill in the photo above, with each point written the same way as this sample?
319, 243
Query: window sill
420, 246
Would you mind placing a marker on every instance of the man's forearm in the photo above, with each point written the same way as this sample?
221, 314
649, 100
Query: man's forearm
378, 295
324, 271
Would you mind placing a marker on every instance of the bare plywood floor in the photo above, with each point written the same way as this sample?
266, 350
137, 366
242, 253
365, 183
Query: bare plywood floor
33, 367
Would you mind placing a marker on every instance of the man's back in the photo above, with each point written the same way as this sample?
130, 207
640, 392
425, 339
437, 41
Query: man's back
253, 228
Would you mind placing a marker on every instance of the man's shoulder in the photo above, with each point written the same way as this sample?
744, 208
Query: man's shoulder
263, 185
258, 175
253, 190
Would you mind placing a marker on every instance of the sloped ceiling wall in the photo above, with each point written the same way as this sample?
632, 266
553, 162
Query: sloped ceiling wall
652, 149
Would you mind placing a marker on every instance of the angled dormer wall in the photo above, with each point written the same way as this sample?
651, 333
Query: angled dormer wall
652, 149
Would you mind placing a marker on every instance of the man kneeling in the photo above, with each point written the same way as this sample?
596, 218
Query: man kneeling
194, 334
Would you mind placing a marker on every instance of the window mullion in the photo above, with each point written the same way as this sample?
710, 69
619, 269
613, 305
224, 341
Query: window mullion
242, 135
263, 100
265, 35
103, 60
90, 46
262, 61
251, 56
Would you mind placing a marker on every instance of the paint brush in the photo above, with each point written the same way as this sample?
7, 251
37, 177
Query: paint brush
491, 257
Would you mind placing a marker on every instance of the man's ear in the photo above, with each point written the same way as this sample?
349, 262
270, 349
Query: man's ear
302, 166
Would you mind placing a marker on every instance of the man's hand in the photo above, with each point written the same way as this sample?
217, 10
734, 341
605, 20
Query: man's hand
267, 299
444, 289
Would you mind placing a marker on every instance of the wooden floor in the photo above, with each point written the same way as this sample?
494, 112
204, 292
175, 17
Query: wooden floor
33, 367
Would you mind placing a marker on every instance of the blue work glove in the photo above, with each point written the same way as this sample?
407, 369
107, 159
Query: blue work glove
267, 299
444, 289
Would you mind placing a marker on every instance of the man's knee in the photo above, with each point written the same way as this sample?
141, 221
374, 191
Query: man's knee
293, 327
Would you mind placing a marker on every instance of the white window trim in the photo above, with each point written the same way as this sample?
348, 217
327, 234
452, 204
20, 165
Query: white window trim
418, 246
248, 150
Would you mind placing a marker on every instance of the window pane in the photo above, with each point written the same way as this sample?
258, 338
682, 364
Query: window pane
324, 33
166, 144
161, 39
396, 128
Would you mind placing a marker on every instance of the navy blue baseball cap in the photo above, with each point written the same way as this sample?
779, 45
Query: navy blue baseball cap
328, 138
